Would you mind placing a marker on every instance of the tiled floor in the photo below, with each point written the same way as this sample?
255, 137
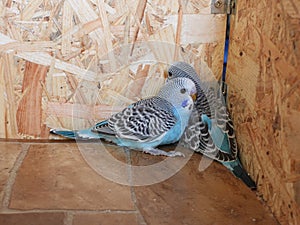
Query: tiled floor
53, 184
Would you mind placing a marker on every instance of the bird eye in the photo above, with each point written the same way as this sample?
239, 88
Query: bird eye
170, 74
183, 91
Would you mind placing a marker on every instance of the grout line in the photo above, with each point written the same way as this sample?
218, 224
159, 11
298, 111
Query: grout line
140, 218
69, 216
69, 211
12, 176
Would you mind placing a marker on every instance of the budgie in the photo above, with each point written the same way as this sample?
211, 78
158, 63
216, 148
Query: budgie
210, 130
147, 123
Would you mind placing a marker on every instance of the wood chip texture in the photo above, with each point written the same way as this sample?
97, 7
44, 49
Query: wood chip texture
67, 64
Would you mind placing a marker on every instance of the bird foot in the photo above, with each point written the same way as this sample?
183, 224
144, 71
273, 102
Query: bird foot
156, 151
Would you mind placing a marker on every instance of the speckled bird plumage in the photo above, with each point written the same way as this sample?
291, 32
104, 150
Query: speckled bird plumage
147, 123
210, 130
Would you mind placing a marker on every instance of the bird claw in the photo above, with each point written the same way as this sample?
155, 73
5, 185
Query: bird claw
174, 154
155, 151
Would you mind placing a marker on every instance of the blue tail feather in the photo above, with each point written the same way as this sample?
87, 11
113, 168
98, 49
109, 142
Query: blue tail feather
221, 140
237, 169
77, 134
65, 133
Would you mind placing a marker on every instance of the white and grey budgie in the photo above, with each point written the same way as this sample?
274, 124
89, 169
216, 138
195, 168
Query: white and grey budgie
148, 123
210, 130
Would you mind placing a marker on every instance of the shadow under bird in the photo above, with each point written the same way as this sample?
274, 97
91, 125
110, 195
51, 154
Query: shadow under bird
148, 123
210, 130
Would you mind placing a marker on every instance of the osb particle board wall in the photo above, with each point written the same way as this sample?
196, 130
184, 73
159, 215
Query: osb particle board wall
66, 59
264, 81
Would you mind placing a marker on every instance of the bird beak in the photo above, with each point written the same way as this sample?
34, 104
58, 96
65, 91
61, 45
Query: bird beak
166, 74
194, 96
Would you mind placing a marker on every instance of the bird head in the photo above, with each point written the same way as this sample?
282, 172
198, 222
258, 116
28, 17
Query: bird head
180, 92
182, 69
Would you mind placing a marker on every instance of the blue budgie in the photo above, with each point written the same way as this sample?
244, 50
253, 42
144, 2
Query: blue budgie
148, 123
210, 130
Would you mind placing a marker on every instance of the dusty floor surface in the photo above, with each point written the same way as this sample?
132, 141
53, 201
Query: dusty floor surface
59, 184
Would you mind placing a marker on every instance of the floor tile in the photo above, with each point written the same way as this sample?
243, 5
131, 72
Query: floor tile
8, 155
192, 197
32, 219
55, 176
106, 219
58, 176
